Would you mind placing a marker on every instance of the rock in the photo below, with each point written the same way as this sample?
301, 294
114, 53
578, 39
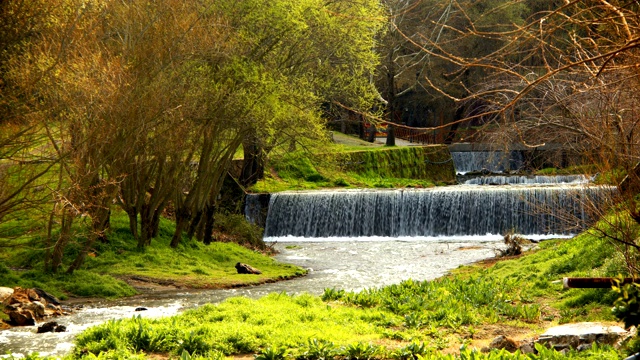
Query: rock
47, 327
50, 299
51, 326
36, 307
26, 306
503, 342
5, 292
141, 309
19, 296
21, 318
527, 347
577, 334
246, 269
32, 294
584, 347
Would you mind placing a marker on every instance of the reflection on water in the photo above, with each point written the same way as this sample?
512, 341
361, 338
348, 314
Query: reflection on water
349, 265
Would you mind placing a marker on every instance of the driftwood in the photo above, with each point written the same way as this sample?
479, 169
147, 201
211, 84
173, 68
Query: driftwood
247, 269
594, 283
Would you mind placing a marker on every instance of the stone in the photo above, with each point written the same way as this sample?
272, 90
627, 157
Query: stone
26, 306
584, 347
60, 328
33, 295
5, 292
577, 334
22, 318
36, 307
19, 296
141, 309
247, 269
527, 348
47, 327
503, 342
50, 299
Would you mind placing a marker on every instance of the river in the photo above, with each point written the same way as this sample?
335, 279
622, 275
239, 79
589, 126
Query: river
349, 265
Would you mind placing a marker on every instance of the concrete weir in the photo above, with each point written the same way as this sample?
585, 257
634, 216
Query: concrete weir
436, 212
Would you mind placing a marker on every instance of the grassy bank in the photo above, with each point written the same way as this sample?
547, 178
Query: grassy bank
431, 320
111, 266
342, 166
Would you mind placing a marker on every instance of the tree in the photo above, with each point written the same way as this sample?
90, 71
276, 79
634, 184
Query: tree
567, 75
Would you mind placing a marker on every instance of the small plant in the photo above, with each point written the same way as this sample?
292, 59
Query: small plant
332, 294
317, 350
361, 351
413, 321
569, 315
340, 182
271, 353
413, 351
514, 244
194, 343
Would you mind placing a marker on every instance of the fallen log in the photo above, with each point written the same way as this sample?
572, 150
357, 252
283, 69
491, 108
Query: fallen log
595, 283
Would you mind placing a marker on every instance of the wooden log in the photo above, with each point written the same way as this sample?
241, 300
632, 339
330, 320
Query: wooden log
594, 283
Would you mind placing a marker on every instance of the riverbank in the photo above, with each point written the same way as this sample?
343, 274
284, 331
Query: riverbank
117, 268
517, 297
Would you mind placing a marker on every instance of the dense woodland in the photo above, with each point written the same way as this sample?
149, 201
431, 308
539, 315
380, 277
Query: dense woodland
140, 105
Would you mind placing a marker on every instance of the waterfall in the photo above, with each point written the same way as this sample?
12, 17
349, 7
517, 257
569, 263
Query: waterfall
491, 161
435, 212
529, 180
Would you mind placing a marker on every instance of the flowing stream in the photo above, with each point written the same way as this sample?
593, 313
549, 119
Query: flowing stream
353, 265
356, 239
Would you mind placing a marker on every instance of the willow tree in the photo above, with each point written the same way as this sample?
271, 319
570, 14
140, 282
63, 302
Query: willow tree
320, 52
291, 57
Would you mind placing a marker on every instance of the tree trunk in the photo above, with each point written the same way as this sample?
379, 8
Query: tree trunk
209, 222
79, 260
133, 223
63, 239
146, 224
155, 225
372, 133
193, 227
101, 222
391, 135
182, 221
253, 163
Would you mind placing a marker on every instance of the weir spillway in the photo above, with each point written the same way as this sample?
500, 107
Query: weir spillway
529, 180
436, 212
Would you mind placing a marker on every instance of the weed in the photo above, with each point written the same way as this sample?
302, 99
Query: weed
271, 353
361, 351
413, 351
317, 350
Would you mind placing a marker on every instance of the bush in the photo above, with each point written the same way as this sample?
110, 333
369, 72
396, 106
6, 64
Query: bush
238, 230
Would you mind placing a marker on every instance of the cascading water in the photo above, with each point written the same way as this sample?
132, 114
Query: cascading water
490, 161
529, 180
438, 212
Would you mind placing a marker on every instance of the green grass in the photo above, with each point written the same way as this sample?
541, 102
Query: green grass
395, 322
360, 167
192, 264
571, 170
